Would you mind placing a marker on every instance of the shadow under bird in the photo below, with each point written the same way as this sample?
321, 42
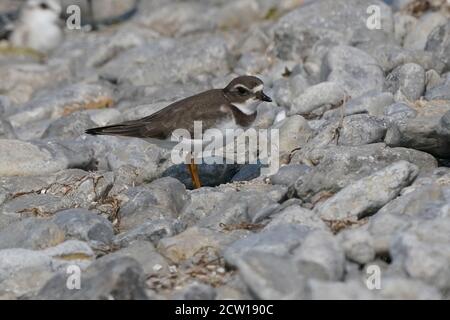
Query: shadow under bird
233, 107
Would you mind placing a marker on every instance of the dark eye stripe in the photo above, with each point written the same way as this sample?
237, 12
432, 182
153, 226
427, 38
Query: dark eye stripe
241, 89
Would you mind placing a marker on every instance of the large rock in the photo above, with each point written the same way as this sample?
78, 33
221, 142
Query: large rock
418, 35
70, 126
145, 253
329, 21
364, 197
64, 101
151, 230
161, 199
440, 91
407, 81
169, 62
118, 278
427, 131
439, 43
24, 272
372, 103
31, 233
324, 94
427, 198
337, 166
46, 195
390, 56
421, 250
275, 264
360, 129
231, 204
194, 240
24, 79
24, 158
85, 225
356, 71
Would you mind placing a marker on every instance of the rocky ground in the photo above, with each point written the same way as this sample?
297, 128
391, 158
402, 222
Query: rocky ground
365, 150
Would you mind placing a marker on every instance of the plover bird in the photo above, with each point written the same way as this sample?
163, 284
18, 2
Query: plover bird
38, 26
233, 107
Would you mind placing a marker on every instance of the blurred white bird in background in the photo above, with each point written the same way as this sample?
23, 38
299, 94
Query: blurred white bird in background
38, 26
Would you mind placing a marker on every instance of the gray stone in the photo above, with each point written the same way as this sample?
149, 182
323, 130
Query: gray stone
31, 233
145, 253
63, 190
161, 199
407, 81
24, 272
328, 21
24, 79
285, 90
296, 214
69, 126
361, 129
372, 103
425, 131
85, 225
205, 201
364, 197
390, 57
399, 111
356, 71
440, 91
294, 132
269, 276
417, 37
152, 231
112, 153
421, 249
196, 240
404, 23
320, 256
337, 166
115, 278
242, 207
11, 187
426, 199
358, 245
63, 101
317, 96
169, 62
439, 43
195, 291
287, 175
433, 79
202, 203
24, 158
278, 241
407, 289
332, 290
6, 130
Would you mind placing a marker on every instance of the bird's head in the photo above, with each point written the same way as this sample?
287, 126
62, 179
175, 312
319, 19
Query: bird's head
49, 10
245, 93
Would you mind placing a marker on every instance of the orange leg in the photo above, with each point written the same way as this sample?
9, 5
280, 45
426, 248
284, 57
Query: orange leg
193, 169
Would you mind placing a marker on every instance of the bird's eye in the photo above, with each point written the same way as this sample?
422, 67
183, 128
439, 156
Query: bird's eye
43, 6
242, 90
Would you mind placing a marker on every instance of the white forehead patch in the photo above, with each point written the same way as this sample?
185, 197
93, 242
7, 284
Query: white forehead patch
258, 88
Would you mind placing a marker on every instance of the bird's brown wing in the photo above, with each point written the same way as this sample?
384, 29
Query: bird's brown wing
179, 115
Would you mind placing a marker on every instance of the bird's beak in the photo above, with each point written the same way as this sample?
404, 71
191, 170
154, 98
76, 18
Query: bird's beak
263, 97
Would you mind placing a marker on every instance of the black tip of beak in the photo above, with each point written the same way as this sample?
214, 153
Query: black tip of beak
265, 97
